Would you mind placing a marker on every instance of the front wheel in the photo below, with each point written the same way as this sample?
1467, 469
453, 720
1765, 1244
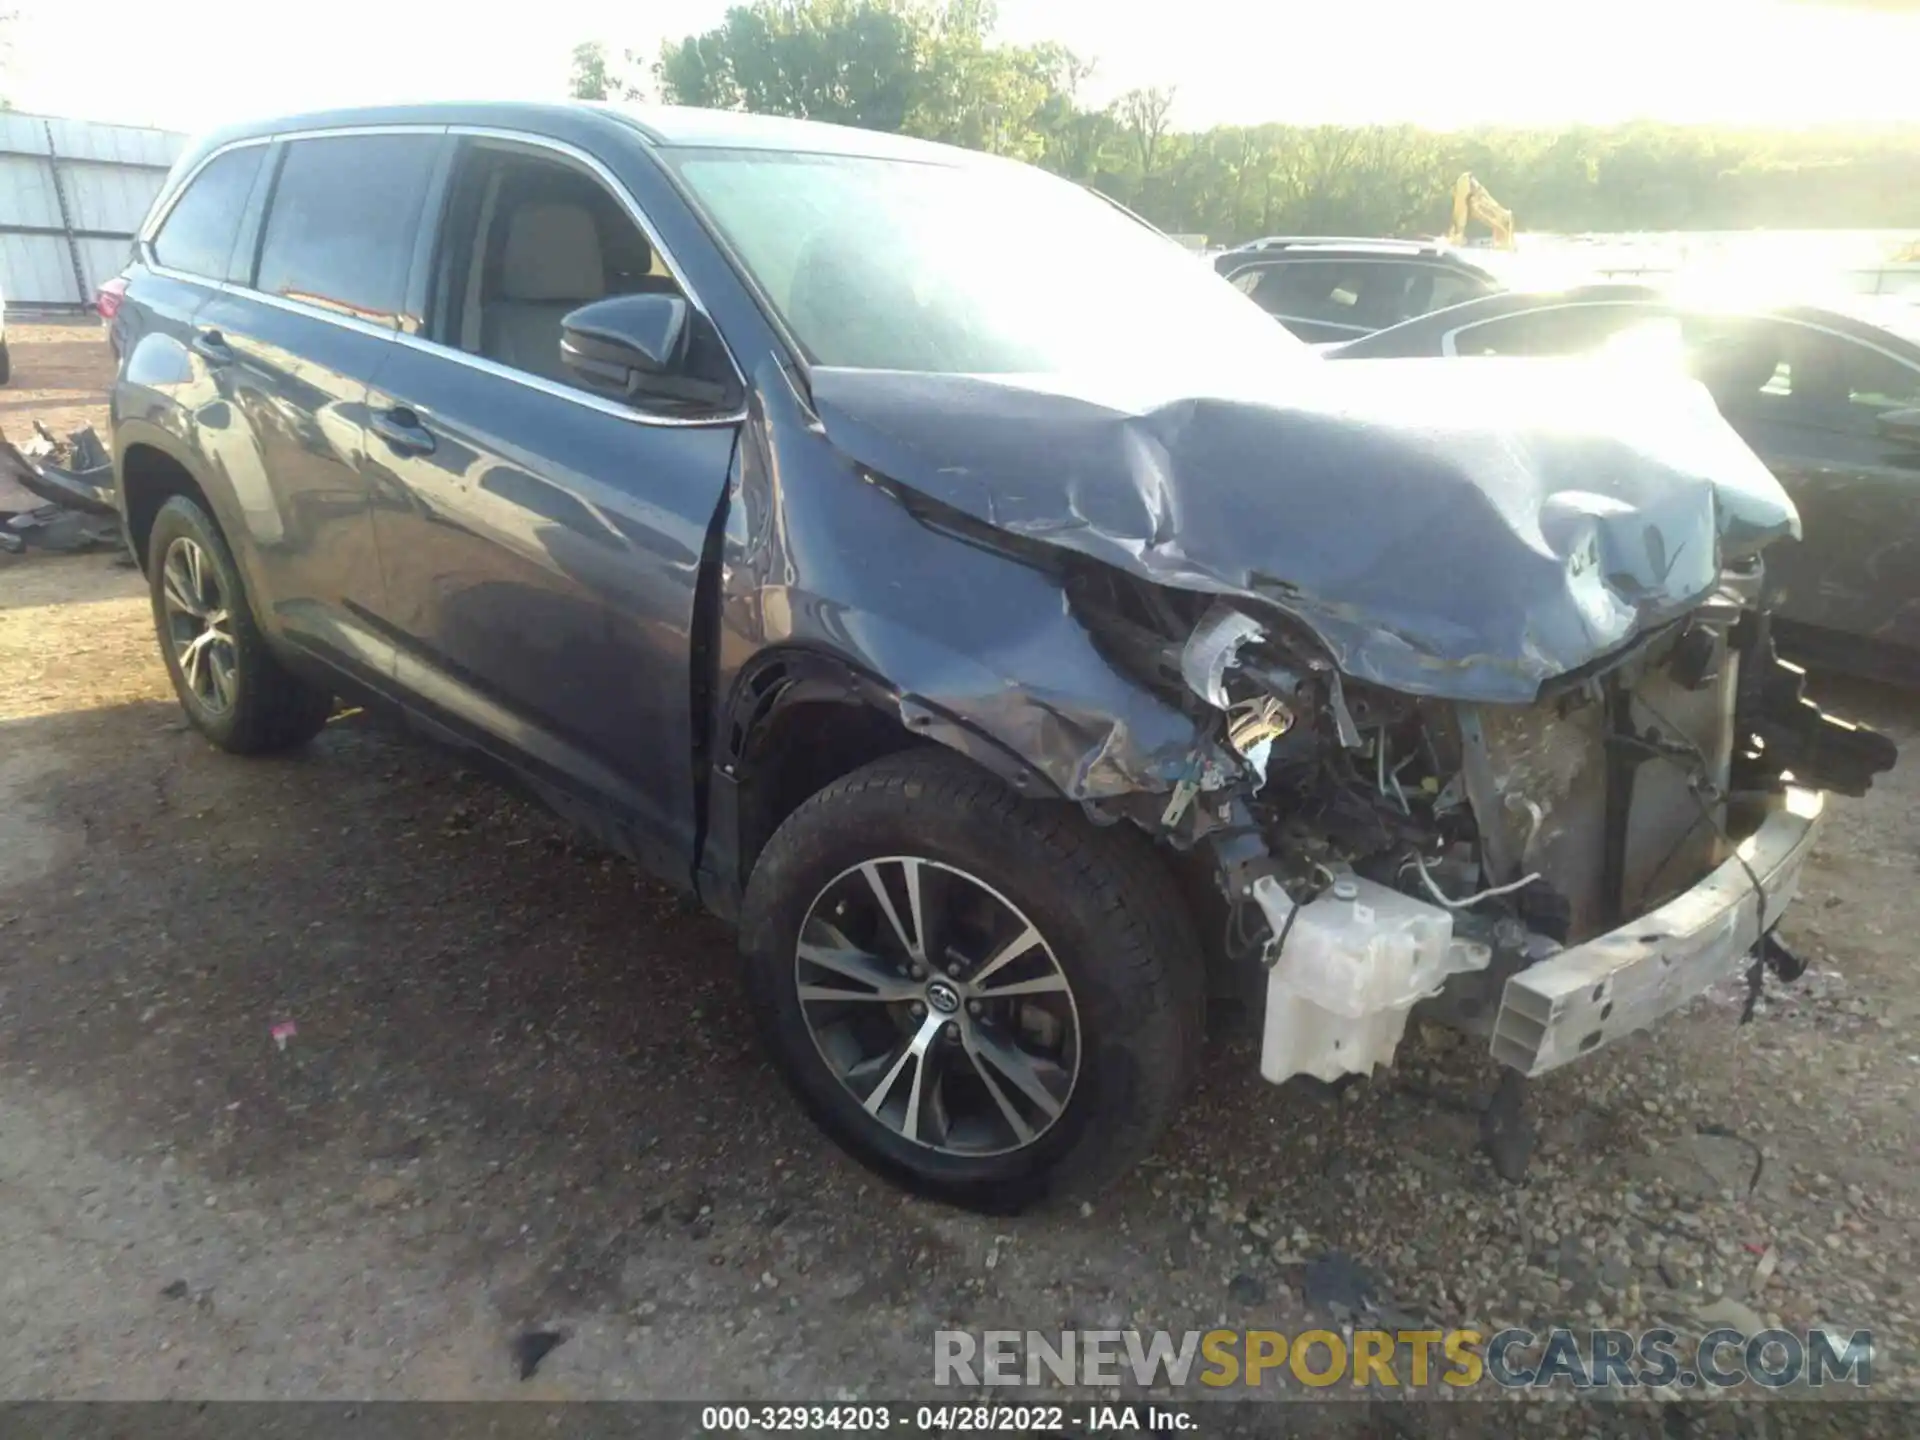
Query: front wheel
980, 996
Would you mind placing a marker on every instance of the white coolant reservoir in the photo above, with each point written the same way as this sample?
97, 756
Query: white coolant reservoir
1356, 961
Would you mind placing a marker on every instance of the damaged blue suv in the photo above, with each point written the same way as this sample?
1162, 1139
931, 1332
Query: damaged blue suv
990, 610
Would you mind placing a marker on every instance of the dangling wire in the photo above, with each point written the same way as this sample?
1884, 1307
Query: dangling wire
1488, 894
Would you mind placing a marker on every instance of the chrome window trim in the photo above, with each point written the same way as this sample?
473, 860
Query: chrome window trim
554, 388
159, 218
1281, 258
1843, 336
280, 302
317, 312
615, 408
620, 193
1330, 324
1448, 348
1448, 342
330, 132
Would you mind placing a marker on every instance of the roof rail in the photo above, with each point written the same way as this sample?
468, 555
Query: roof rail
1281, 242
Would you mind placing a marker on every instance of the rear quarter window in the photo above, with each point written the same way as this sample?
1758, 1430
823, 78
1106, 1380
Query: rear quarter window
340, 228
198, 234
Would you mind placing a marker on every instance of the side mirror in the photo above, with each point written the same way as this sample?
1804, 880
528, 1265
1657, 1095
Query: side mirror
625, 342
1902, 427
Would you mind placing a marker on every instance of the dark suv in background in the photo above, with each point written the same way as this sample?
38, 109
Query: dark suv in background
1326, 289
767, 500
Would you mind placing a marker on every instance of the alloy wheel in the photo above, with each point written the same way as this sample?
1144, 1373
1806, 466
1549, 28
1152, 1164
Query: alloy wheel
939, 1006
197, 625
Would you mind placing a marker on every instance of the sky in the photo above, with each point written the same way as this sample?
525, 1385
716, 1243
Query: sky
192, 64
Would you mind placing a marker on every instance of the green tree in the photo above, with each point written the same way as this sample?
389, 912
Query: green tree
1145, 116
590, 80
934, 68
851, 62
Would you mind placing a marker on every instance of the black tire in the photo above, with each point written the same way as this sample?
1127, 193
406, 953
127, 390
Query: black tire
271, 709
6, 363
1113, 923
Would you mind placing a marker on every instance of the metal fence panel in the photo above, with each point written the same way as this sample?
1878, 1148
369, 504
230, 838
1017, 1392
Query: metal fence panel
72, 194
26, 194
37, 269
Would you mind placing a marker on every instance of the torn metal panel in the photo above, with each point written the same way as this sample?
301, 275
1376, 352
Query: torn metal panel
971, 641
15, 497
1447, 530
933, 534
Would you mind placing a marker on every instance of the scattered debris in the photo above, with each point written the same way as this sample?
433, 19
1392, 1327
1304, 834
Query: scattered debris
15, 497
174, 1290
530, 1347
1731, 1314
1338, 1283
1722, 1132
1244, 1289
1506, 1131
48, 527
57, 495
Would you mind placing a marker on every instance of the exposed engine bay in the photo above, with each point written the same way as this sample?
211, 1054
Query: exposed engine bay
1377, 850
1455, 681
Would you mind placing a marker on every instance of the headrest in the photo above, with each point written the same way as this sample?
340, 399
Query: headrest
553, 253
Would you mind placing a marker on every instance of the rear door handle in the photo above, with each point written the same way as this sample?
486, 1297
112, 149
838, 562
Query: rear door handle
402, 430
212, 345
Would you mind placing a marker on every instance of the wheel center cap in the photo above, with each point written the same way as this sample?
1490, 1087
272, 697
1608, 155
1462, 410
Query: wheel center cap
943, 997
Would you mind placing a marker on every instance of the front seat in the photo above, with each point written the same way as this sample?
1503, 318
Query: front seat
551, 266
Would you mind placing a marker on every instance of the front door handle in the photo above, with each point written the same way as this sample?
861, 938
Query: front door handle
212, 345
402, 431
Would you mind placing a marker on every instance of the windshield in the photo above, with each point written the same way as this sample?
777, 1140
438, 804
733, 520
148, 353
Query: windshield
967, 269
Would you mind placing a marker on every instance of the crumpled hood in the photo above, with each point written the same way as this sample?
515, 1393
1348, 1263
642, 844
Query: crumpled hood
1458, 528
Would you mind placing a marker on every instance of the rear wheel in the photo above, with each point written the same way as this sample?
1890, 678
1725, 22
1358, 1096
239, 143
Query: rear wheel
6, 363
980, 996
233, 688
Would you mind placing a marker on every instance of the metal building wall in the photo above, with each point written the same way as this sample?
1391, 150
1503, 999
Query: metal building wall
72, 194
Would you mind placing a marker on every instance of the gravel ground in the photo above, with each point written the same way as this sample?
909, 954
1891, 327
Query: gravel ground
523, 1094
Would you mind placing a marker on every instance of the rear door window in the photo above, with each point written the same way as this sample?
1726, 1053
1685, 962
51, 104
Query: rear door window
197, 236
340, 228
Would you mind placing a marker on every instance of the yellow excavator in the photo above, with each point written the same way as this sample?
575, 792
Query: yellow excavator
1473, 201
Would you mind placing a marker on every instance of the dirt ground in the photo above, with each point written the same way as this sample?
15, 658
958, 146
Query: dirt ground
523, 1094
